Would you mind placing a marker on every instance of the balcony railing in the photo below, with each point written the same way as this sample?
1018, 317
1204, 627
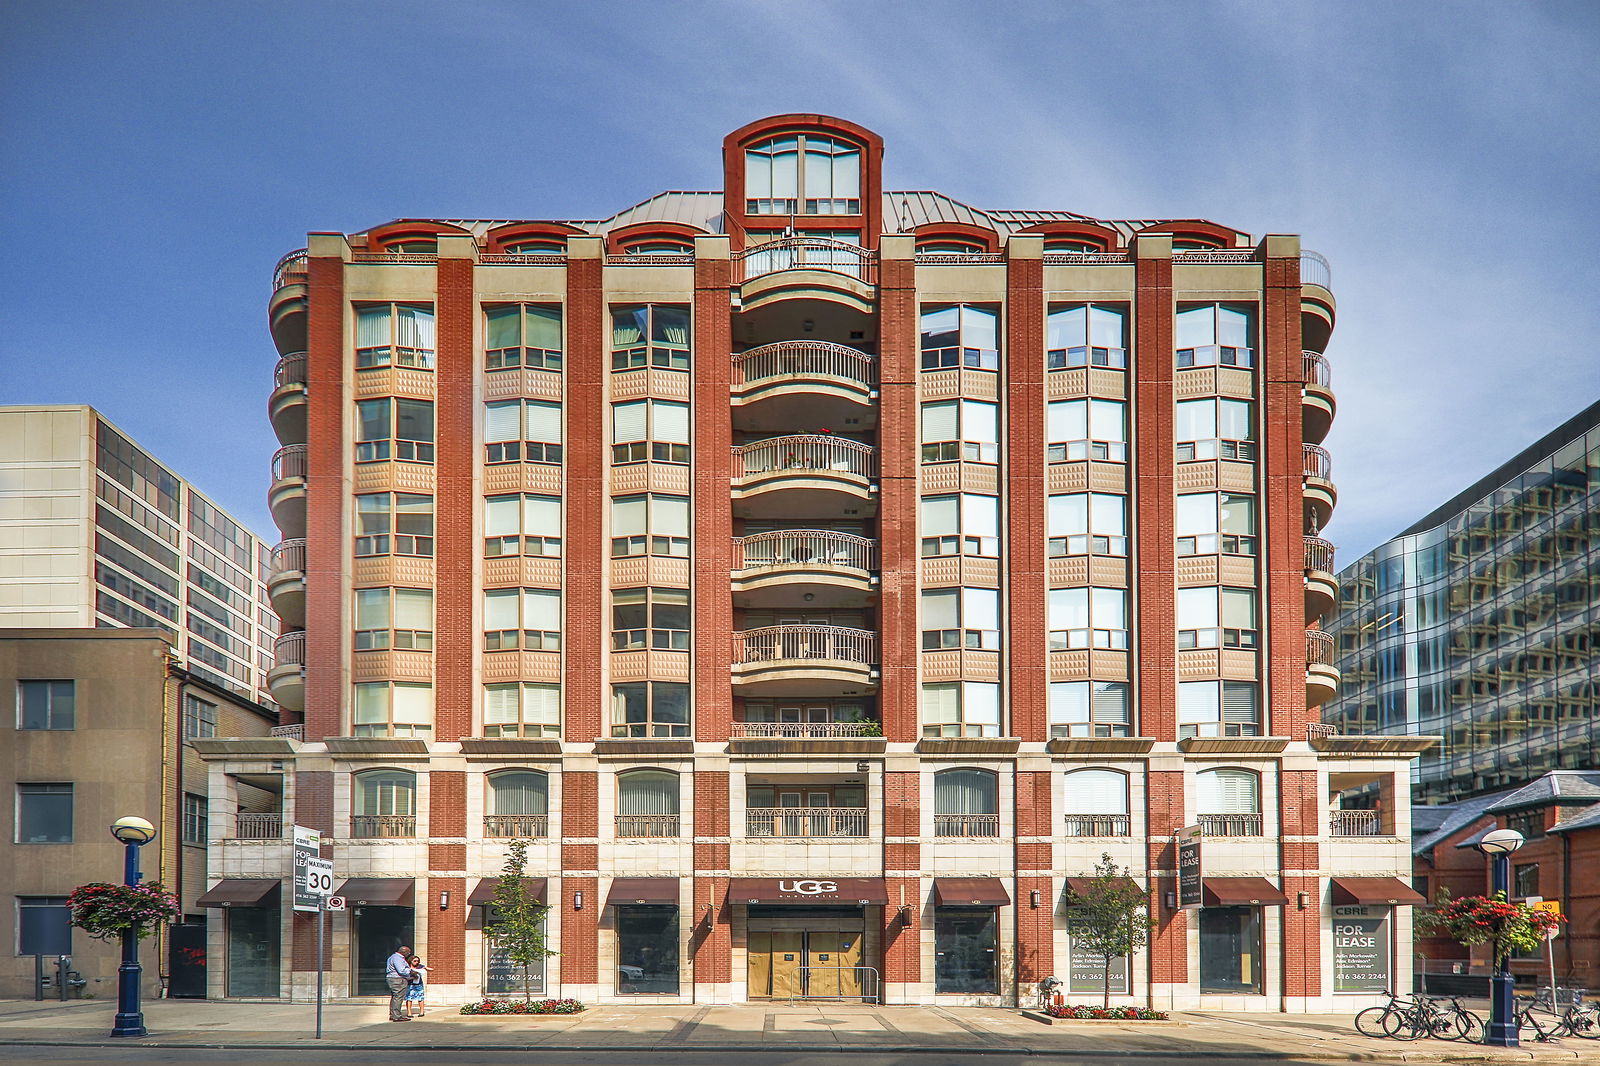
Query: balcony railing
838, 643
1317, 370
1314, 269
804, 359
1319, 648
806, 730
804, 547
966, 825
291, 370
296, 731
806, 822
807, 253
289, 556
290, 649
516, 825
380, 826
289, 461
1355, 823
249, 826
810, 451
1321, 731
1230, 825
1318, 463
647, 825
1319, 554
291, 270
1097, 825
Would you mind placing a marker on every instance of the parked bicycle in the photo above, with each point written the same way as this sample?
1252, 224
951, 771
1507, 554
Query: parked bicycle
1530, 1012
1413, 1018
1581, 1019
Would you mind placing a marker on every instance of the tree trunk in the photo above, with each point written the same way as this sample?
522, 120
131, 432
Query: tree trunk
527, 983
1105, 985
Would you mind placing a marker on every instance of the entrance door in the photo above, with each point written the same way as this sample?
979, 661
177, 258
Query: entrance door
186, 961
378, 931
1230, 949
965, 957
253, 934
831, 957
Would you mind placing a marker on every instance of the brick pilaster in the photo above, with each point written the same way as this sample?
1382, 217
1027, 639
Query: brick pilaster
1024, 504
1169, 940
455, 548
325, 498
583, 686
713, 517
899, 642
1301, 809
313, 808
1155, 638
1035, 924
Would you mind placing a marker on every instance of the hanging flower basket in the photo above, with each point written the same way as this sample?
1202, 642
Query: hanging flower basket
106, 911
1508, 927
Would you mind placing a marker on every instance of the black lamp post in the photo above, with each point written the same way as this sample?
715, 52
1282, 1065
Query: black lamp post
134, 833
1502, 1028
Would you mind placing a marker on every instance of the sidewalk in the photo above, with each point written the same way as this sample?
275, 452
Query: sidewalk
774, 1027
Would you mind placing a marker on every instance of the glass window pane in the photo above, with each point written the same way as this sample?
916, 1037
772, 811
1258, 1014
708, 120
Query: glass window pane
1197, 702
1068, 609
1233, 327
503, 327
502, 421
1239, 608
1196, 420
543, 328
1106, 420
541, 516
500, 608
940, 608
1066, 420
1233, 420
671, 422
1195, 326
941, 328
1197, 608
979, 328
1109, 608
629, 421
1069, 702
669, 516
1238, 514
501, 516
939, 422
981, 609
1107, 328
541, 609
1067, 516
372, 419
980, 515
980, 421
372, 608
1096, 792
414, 420
940, 516
1196, 514
628, 516
1109, 514
544, 422
1067, 328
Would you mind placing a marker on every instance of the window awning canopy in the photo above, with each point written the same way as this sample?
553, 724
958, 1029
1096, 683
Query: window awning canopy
378, 891
483, 892
1378, 891
970, 892
801, 891
1242, 892
241, 892
647, 890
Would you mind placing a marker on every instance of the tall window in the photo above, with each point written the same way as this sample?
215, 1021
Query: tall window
1090, 709
1086, 429
522, 335
1219, 709
522, 709
960, 618
394, 523
1083, 522
522, 618
647, 803
650, 618
1096, 803
649, 524
961, 709
394, 618
960, 335
1088, 618
650, 335
1086, 335
44, 814
522, 430
1227, 792
650, 429
1216, 522
1215, 335
804, 173
195, 813
199, 717
392, 709
1214, 429
519, 792
1211, 617
960, 429
964, 524
384, 803
650, 709
394, 335
394, 428
46, 704
522, 525
966, 803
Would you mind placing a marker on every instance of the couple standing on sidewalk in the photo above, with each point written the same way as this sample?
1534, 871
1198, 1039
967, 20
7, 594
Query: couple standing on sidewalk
405, 976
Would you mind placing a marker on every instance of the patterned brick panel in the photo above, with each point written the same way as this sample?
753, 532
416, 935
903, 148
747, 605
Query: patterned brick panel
902, 942
1284, 520
580, 804
713, 518
447, 931
1035, 925
1035, 931
902, 856
313, 808
580, 856
711, 803
454, 506
1302, 808
711, 938
712, 856
1025, 495
580, 940
899, 641
447, 810
447, 856
1155, 637
1302, 939
1169, 950
902, 804
1034, 818
325, 389
585, 496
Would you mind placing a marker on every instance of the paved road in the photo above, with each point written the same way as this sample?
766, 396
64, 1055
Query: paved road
977, 1056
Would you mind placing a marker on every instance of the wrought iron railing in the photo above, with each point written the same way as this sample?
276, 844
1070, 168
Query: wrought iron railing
966, 825
379, 826
1318, 463
291, 370
806, 730
804, 547
1319, 554
289, 556
806, 359
807, 253
1215, 255
806, 822
960, 258
554, 259
1319, 648
516, 825
296, 731
394, 257
1086, 258
805, 452
1230, 825
1317, 370
290, 270
647, 825
1097, 825
1321, 731
252, 826
838, 643
289, 461
1314, 269
290, 649
1355, 823
656, 259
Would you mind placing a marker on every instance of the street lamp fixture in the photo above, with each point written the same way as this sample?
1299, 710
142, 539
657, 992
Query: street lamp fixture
134, 833
1502, 1029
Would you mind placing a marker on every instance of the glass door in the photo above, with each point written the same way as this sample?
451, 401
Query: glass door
1230, 949
253, 935
966, 942
379, 930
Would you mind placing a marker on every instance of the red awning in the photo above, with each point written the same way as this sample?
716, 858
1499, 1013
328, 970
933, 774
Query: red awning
377, 891
656, 890
483, 893
1379, 891
970, 892
1080, 886
1242, 892
808, 890
240, 892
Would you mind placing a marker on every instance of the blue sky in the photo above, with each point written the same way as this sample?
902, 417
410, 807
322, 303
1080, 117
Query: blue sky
156, 159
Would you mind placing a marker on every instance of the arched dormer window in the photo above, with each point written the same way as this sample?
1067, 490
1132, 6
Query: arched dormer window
966, 803
803, 174
659, 247
383, 804
1096, 803
949, 246
535, 246
647, 803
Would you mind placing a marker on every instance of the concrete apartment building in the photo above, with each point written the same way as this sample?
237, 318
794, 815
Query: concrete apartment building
821, 579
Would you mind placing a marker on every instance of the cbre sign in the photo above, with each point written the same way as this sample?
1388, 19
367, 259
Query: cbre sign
307, 846
1190, 876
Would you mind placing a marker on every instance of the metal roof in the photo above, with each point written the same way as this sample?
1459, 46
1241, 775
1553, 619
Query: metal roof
1567, 787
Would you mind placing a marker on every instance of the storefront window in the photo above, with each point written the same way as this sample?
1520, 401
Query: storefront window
966, 942
647, 950
253, 950
1230, 949
501, 976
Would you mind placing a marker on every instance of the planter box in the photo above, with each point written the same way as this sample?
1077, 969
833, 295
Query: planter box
1045, 1019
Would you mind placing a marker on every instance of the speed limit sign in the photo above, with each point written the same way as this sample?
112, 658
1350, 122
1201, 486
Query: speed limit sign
319, 877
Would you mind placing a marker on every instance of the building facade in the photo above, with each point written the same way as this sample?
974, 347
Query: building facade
1479, 624
821, 580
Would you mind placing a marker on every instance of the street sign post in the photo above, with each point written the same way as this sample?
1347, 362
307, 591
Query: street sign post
1554, 907
317, 875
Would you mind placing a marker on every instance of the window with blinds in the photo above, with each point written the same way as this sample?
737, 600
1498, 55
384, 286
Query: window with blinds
522, 525
1090, 709
529, 619
649, 524
1227, 792
394, 523
647, 792
394, 618
1219, 709
522, 709
650, 618
960, 618
1096, 792
1216, 522
522, 431
1215, 335
961, 709
1087, 618
960, 335
385, 792
643, 430
521, 335
650, 709
960, 430
966, 792
653, 335
1212, 617
394, 335
1083, 523
392, 428
519, 792
963, 524
391, 709
1086, 429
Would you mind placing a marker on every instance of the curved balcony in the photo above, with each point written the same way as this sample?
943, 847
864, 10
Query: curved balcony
814, 660
831, 569
1322, 676
1317, 307
818, 270
802, 382
1317, 405
287, 678
286, 312
1322, 588
805, 474
1317, 484
287, 496
286, 582
287, 406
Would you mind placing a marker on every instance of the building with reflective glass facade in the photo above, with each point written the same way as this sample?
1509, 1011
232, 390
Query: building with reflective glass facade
1479, 624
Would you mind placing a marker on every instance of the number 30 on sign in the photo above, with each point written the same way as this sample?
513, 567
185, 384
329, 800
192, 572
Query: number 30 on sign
319, 877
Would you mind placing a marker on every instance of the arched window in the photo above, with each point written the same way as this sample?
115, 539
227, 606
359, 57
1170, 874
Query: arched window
1072, 245
647, 803
1228, 802
383, 804
966, 803
949, 246
519, 804
803, 174
1096, 803
540, 246
664, 246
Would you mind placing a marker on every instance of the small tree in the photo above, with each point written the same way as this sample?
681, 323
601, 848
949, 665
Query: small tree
518, 928
1112, 917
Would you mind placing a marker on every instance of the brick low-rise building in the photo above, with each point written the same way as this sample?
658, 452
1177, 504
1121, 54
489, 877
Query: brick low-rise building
820, 578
